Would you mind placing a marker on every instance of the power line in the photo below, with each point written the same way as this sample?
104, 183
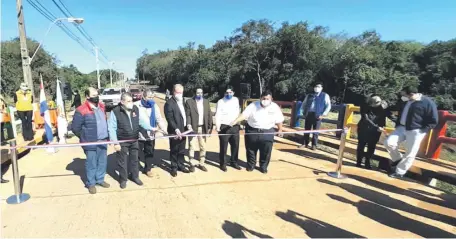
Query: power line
80, 28
51, 17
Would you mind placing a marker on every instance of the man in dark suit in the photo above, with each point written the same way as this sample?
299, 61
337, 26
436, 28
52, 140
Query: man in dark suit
177, 120
199, 119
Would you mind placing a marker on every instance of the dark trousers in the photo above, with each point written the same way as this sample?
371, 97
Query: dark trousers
258, 142
146, 152
177, 153
311, 122
27, 129
127, 159
233, 140
370, 141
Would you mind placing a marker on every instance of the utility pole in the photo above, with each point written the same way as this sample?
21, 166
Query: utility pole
110, 71
98, 67
27, 71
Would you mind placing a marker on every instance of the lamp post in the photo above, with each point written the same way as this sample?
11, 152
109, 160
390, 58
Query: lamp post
110, 71
56, 21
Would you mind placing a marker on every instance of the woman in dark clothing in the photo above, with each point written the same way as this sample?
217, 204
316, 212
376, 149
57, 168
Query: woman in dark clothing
370, 128
76, 100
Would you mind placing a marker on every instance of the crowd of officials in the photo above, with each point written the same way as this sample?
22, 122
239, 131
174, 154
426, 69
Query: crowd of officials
133, 125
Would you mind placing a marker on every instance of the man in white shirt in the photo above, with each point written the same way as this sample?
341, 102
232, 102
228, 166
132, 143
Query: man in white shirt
227, 111
176, 118
199, 119
151, 120
261, 118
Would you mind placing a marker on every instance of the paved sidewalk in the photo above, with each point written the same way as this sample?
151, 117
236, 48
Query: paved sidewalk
295, 199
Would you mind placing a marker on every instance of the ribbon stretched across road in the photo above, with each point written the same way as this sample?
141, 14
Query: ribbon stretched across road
185, 134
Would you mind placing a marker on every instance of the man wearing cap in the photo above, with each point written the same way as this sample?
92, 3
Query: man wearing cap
315, 107
261, 118
24, 99
227, 111
199, 119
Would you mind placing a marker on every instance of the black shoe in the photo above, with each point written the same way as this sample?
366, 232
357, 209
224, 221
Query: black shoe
359, 165
249, 169
138, 181
314, 147
368, 167
223, 168
4, 181
184, 170
92, 190
174, 172
396, 175
202, 168
236, 166
123, 184
264, 171
192, 168
104, 184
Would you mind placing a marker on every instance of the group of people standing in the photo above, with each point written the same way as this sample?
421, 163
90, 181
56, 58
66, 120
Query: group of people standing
132, 126
417, 116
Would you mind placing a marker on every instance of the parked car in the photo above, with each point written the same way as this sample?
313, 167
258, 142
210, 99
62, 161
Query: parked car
136, 94
111, 97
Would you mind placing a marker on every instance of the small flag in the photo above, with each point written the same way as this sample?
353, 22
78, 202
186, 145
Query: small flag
44, 111
62, 124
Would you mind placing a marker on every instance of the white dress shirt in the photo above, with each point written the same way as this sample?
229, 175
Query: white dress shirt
182, 110
260, 117
227, 111
200, 106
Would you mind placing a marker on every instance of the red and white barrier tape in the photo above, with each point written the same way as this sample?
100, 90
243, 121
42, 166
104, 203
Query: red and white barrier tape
185, 134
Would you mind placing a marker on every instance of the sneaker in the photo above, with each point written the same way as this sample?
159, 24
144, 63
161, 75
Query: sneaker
396, 175
92, 190
104, 184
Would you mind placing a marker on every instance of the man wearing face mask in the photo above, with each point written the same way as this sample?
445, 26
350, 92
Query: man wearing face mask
227, 111
199, 119
177, 121
315, 107
370, 128
89, 125
261, 117
24, 99
123, 124
151, 120
416, 119
76, 100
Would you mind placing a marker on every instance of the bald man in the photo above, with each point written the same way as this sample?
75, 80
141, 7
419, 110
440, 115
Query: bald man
89, 125
176, 118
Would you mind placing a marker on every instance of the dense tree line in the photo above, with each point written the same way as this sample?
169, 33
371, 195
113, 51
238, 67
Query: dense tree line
45, 64
290, 58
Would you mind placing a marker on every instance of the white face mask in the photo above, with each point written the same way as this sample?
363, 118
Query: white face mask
129, 105
265, 103
23, 88
178, 97
404, 98
317, 89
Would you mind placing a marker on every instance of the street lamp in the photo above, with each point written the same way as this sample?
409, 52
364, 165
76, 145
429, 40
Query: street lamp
58, 20
110, 71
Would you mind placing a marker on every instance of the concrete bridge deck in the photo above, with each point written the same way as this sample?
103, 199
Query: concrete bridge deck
295, 199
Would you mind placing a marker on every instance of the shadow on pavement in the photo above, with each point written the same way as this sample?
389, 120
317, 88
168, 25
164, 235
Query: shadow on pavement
448, 200
390, 218
312, 155
315, 228
235, 230
390, 202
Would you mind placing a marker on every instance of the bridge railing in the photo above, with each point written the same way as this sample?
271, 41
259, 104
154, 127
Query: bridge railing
438, 135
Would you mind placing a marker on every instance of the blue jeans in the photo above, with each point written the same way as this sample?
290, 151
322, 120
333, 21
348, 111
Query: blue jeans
96, 163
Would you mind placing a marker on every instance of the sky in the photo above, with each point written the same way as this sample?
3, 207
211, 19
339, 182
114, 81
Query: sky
124, 28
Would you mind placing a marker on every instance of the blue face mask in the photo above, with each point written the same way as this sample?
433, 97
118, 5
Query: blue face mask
198, 97
229, 96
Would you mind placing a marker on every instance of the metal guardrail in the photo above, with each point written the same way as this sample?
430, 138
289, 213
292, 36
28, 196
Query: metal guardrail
438, 135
